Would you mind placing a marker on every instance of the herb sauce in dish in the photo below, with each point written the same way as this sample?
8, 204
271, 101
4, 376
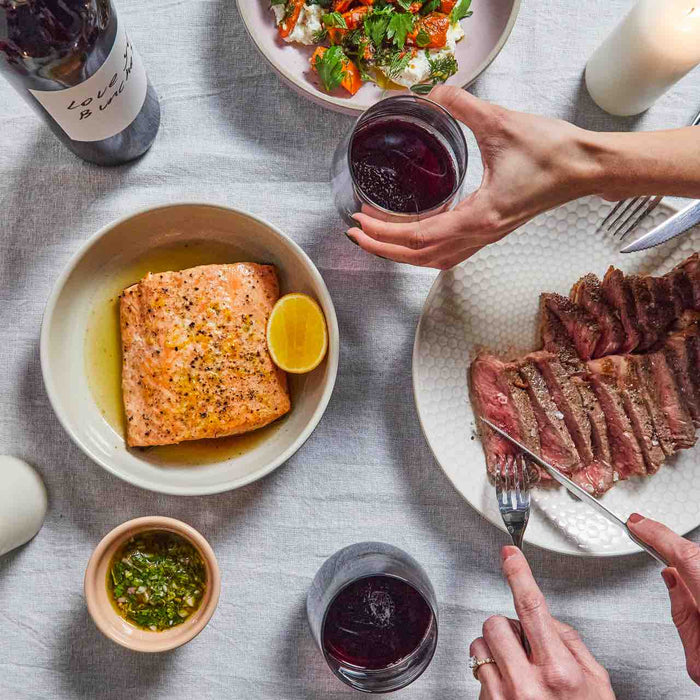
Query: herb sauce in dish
156, 580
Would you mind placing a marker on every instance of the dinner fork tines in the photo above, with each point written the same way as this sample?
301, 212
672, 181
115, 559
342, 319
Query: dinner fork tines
627, 214
513, 494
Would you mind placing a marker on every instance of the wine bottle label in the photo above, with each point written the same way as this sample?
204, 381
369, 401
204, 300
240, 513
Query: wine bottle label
107, 102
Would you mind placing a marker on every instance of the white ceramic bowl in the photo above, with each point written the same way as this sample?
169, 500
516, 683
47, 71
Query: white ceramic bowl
99, 268
486, 33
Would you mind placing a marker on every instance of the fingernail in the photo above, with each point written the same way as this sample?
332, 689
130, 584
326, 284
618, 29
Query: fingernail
351, 239
669, 579
508, 552
635, 518
354, 218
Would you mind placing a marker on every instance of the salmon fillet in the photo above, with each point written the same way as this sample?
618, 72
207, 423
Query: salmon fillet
194, 354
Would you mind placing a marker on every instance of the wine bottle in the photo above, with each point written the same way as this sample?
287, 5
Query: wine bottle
73, 62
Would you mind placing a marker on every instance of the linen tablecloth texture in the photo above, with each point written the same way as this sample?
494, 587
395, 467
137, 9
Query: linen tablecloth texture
232, 133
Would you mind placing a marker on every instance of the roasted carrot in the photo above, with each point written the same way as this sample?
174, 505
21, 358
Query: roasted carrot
446, 6
435, 25
351, 75
342, 5
414, 7
291, 16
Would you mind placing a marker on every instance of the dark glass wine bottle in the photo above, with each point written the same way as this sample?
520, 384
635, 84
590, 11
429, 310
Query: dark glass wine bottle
74, 64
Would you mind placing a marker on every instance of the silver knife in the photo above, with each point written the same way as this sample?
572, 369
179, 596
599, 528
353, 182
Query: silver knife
579, 492
679, 223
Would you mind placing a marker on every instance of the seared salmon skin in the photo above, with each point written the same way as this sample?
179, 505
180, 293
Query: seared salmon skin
194, 355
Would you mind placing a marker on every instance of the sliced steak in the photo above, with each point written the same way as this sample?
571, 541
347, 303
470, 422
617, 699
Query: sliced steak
580, 326
681, 353
682, 287
597, 476
676, 354
627, 455
686, 277
556, 340
648, 395
587, 293
568, 401
652, 320
686, 319
661, 289
662, 386
628, 384
618, 294
505, 404
555, 442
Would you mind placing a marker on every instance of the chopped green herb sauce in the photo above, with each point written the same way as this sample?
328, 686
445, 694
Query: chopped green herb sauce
157, 580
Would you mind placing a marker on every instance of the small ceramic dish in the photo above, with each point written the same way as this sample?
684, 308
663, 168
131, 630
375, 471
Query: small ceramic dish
115, 627
486, 33
84, 306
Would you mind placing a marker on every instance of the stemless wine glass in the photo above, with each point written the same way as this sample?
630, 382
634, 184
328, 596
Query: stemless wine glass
396, 114
373, 598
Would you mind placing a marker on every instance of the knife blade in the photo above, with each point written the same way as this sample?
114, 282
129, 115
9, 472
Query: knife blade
679, 223
578, 491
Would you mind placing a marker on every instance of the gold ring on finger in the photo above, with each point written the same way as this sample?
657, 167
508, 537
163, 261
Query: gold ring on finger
475, 664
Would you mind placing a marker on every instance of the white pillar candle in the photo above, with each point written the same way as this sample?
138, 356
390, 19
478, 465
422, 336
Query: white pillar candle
23, 503
648, 52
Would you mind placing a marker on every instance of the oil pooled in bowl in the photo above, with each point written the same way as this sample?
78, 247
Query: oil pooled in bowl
104, 360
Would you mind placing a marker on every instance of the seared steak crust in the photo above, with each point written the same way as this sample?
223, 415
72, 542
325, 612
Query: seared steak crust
587, 293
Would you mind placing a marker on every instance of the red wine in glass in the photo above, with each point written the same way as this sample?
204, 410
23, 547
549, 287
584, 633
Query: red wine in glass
373, 614
376, 622
401, 165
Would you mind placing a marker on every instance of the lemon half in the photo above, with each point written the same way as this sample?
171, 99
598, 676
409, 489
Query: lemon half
297, 338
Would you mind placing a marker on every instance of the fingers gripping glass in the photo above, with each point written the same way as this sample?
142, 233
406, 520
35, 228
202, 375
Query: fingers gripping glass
405, 159
373, 614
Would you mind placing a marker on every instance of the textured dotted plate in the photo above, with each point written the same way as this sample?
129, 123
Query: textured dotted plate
490, 301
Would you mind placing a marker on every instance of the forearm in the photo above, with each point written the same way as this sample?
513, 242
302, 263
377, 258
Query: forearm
623, 165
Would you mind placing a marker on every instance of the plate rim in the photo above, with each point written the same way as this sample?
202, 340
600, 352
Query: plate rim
333, 356
497, 521
343, 105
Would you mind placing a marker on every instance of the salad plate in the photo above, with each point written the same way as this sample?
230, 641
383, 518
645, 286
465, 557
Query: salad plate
486, 32
490, 302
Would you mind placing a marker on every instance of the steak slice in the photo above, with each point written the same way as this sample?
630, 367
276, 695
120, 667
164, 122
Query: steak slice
676, 355
588, 294
648, 395
662, 386
652, 320
556, 340
682, 287
500, 400
568, 401
682, 353
619, 295
597, 476
686, 278
580, 326
666, 301
627, 455
628, 384
555, 442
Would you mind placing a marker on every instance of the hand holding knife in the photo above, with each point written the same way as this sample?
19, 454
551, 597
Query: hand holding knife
577, 491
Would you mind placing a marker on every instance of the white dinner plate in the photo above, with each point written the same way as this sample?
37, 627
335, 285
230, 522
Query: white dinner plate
486, 32
490, 302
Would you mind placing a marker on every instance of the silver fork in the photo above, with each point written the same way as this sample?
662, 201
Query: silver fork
626, 215
513, 494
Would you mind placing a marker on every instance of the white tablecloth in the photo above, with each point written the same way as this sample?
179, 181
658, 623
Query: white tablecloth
233, 133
